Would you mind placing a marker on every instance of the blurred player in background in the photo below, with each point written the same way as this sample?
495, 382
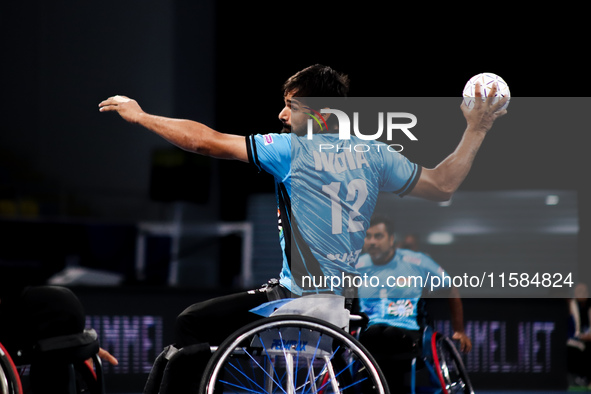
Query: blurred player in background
394, 308
410, 242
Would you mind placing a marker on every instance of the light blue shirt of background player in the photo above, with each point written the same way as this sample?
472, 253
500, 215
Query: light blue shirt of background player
325, 199
395, 280
399, 286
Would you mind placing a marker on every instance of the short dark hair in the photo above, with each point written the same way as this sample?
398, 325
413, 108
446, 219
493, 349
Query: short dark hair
317, 81
380, 219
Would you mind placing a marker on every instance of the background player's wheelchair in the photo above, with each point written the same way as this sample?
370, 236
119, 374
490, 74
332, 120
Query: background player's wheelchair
423, 361
303, 347
417, 362
446, 371
78, 351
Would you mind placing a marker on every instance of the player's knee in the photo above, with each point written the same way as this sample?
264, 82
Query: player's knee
197, 314
183, 320
188, 325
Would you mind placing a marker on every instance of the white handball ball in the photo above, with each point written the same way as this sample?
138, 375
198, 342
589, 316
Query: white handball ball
486, 83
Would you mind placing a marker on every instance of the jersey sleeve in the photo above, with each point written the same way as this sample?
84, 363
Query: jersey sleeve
429, 265
430, 269
399, 175
270, 153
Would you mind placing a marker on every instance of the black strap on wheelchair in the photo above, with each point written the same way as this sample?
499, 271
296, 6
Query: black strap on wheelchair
68, 341
301, 260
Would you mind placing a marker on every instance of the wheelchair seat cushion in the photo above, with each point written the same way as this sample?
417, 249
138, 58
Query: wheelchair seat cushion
327, 307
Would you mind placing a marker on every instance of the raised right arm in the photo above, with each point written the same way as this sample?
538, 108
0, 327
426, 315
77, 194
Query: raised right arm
441, 182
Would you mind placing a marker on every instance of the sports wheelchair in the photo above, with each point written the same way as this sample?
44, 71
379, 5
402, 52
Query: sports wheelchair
78, 351
304, 346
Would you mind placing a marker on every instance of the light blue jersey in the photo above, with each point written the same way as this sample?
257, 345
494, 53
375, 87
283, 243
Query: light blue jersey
326, 192
393, 297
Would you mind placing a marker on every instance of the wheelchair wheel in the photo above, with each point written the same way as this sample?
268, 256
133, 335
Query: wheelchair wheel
450, 367
88, 377
292, 355
10, 382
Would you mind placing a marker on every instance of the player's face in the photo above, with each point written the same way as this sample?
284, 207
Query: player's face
379, 244
294, 116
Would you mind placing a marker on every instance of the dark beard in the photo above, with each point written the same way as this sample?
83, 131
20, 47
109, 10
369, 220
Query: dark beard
286, 128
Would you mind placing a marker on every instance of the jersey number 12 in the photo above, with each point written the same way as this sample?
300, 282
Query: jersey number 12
357, 194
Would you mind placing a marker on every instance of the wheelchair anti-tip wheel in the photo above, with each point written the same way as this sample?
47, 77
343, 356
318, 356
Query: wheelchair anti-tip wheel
449, 367
292, 355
